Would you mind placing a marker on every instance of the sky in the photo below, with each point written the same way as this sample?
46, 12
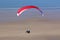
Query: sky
20, 3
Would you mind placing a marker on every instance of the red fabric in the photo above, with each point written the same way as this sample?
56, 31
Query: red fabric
26, 7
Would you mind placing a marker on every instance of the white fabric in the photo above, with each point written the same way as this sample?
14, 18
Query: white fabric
21, 12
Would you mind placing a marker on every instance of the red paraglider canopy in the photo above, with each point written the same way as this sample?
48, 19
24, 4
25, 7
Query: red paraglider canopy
20, 10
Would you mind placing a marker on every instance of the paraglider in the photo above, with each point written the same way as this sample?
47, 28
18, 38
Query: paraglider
21, 10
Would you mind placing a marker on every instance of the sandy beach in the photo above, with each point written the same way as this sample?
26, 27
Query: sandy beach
42, 28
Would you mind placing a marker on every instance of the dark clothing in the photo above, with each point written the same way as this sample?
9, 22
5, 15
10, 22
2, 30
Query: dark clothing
28, 31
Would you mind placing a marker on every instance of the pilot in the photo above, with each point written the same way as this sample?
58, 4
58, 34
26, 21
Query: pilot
28, 31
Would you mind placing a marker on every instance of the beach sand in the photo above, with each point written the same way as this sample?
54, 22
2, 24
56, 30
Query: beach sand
41, 29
